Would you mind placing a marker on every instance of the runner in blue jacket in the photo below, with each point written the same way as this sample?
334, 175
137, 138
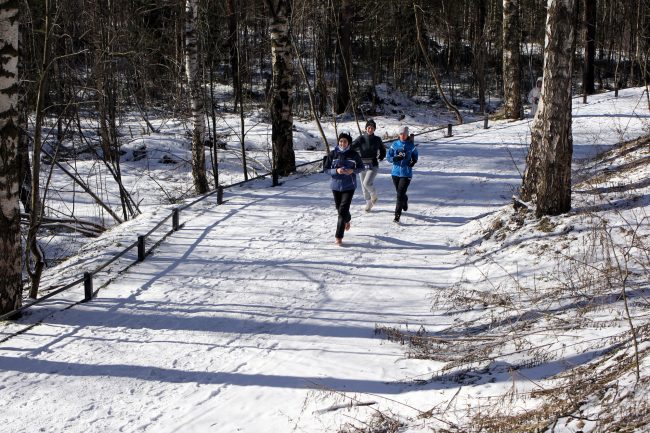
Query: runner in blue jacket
343, 164
403, 155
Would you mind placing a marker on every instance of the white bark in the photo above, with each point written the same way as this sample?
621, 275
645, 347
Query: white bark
547, 179
196, 97
284, 159
10, 249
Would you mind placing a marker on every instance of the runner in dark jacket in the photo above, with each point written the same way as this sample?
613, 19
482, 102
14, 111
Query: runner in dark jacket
343, 164
371, 150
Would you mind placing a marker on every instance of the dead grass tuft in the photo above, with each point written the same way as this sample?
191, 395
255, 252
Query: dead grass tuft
379, 423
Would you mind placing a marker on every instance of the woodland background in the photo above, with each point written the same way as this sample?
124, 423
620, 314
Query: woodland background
86, 66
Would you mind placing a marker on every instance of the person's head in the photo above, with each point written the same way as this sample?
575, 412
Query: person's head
371, 126
538, 83
403, 132
344, 140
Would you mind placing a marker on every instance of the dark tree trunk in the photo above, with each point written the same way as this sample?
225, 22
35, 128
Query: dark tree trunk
232, 46
479, 52
24, 168
511, 60
590, 46
344, 57
321, 53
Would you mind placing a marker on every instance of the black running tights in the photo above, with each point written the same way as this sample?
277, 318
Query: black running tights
401, 185
342, 201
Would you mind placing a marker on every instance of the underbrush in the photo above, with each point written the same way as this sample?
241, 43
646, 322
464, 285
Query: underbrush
557, 306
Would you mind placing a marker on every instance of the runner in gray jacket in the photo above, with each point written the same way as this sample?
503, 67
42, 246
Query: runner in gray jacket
372, 151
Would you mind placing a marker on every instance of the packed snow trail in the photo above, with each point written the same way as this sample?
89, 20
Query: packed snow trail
250, 302
251, 319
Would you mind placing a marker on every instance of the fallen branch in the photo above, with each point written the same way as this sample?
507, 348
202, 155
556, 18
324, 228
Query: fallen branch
86, 188
86, 228
351, 404
519, 204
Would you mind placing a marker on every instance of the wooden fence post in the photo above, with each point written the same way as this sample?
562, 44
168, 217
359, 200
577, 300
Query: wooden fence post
88, 286
141, 248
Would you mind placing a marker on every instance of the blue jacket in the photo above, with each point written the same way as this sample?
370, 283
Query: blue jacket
348, 158
402, 167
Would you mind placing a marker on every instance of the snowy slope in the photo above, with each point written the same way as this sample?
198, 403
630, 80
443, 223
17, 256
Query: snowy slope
250, 319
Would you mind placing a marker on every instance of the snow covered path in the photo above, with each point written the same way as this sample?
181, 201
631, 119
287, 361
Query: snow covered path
238, 321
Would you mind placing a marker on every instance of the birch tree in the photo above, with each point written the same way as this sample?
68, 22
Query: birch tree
511, 60
547, 178
10, 248
196, 96
282, 88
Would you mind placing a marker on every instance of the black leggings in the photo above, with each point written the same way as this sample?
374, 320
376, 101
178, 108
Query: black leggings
342, 201
401, 185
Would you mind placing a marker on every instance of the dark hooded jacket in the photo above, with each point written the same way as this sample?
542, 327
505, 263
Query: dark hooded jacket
371, 149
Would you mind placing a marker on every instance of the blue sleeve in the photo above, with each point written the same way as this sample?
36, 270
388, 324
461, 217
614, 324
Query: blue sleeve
327, 166
390, 154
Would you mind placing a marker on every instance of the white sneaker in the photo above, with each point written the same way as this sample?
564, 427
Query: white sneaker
369, 205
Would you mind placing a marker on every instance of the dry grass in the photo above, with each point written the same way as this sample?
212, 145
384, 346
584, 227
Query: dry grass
593, 278
379, 423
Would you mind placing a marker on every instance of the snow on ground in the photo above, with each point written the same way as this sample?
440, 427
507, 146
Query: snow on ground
250, 319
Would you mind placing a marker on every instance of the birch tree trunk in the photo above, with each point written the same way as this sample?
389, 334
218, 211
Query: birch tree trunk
196, 97
511, 60
282, 89
590, 46
479, 51
547, 179
10, 248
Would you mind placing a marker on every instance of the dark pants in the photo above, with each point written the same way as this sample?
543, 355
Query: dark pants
401, 185
342, 201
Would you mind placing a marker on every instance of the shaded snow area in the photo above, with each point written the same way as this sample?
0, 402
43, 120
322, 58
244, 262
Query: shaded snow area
468, 316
